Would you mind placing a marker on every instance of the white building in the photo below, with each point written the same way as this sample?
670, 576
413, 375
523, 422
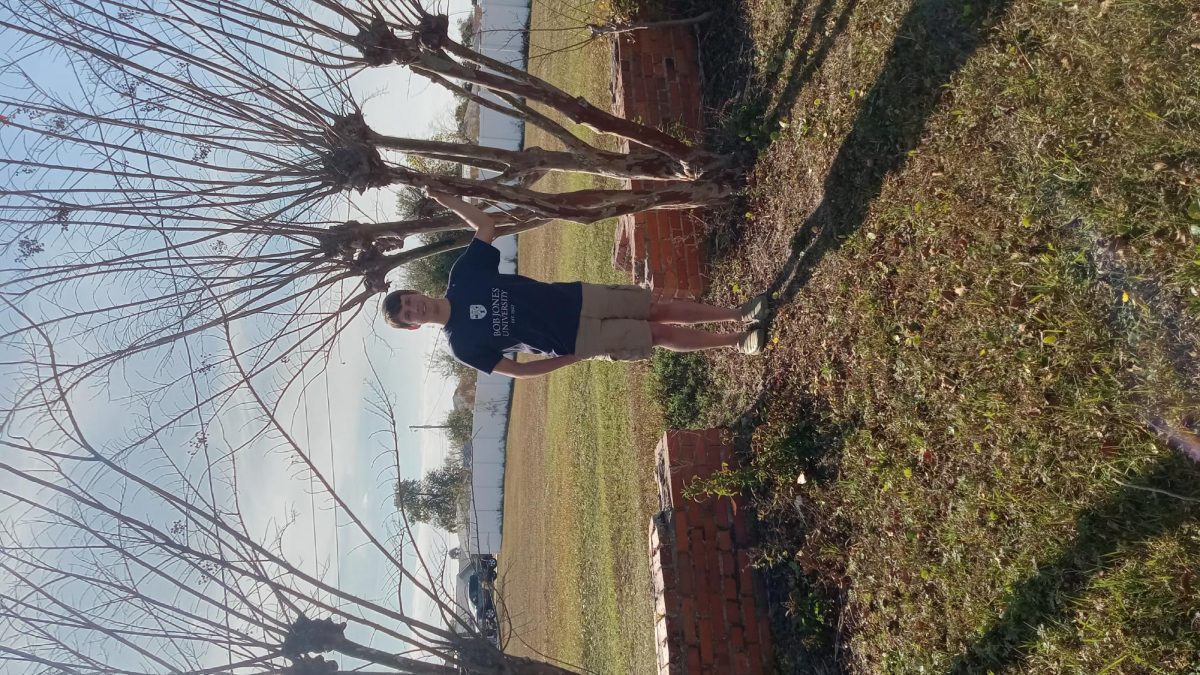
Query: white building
501, 33
489, 436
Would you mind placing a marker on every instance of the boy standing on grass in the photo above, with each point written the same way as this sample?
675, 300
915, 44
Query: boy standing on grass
486, 314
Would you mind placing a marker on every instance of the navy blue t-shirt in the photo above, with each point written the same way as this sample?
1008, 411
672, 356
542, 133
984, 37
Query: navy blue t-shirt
493, 313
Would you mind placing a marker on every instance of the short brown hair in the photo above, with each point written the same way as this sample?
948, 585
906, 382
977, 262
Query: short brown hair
391, 307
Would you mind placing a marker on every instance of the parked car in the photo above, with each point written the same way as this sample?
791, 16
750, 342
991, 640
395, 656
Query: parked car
487, 609
487, 565
473, 589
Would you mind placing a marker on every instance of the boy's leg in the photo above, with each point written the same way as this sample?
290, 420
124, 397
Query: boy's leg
680, 339
684, 312
615, 301
614, 339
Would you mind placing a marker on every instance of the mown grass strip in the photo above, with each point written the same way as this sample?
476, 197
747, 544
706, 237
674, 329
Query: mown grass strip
581, 573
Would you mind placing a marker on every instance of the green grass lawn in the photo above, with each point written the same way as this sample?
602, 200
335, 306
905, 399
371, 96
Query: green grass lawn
581, 440
981, 219
595, 448
582, 572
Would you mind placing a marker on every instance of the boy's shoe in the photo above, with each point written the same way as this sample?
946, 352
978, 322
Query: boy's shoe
752, 343
755, 309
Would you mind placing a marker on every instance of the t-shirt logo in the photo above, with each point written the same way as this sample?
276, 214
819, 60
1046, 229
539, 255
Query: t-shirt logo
478, 311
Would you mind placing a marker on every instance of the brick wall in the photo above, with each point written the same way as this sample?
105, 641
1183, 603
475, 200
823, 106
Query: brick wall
710, 614
657, 82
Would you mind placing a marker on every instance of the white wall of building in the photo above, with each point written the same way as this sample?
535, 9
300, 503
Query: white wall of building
489, 437
501, 36
502, 30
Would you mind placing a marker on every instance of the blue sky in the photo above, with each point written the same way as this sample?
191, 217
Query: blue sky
399, 104
424, 398
328, 416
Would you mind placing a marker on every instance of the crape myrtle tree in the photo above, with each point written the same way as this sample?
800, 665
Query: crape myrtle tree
191, 153
428, 274
132, 558
170, 171
176, 234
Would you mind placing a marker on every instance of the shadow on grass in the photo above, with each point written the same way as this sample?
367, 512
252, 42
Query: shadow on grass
1128, 517
809, 55
804, 595
742, 107
933, 42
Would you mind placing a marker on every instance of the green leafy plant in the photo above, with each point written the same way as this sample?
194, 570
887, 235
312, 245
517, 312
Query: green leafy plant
680, 382
725, 482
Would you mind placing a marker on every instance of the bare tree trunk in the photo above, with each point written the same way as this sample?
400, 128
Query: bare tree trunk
616, 28
400, 663
580, 206
474, 653
577, 109
515, 163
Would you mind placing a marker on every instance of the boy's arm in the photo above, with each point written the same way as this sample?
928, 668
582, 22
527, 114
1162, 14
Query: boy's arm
484, 225
533, 368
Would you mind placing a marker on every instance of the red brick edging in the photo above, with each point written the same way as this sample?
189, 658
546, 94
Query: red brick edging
657, 82
710, 610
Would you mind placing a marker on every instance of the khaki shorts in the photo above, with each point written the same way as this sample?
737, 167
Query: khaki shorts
613, 323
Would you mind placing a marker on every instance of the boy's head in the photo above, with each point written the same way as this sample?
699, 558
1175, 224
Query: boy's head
405, 309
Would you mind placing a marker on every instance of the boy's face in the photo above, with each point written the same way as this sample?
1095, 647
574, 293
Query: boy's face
415, 309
